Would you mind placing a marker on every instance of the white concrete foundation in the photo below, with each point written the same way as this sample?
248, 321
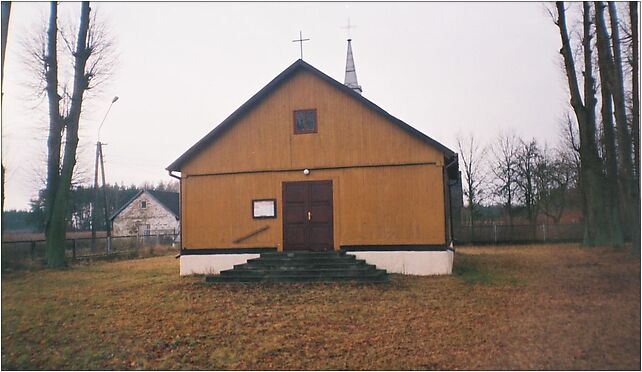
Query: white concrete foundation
411, 262
211, 264
399, 262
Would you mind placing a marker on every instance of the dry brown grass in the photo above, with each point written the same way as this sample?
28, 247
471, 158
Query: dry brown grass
537, 307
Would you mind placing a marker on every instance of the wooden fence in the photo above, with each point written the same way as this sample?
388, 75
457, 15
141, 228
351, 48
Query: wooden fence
519, 234
25, 254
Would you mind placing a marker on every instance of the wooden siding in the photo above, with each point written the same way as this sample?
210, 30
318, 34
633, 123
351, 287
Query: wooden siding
349, 133
372, 206
399, 203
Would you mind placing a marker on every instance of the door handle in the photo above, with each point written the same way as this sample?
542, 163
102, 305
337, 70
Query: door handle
309, 216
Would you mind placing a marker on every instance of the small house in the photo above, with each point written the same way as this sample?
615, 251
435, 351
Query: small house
149, 212
309, 163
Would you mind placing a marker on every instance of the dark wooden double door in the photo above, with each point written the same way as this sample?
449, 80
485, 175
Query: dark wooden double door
307, 216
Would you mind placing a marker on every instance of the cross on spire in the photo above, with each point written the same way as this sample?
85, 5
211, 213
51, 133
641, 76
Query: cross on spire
300, 41
348, 27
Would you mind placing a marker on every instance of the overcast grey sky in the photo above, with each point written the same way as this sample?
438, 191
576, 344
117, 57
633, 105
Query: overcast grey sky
444, 68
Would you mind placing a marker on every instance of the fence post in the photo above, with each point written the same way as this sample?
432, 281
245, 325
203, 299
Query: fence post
33, 249
544, 228
495, 232
73, 248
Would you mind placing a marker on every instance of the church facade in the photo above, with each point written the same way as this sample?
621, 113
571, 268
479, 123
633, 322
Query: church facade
308, 163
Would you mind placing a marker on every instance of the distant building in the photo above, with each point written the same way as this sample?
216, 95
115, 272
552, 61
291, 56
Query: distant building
148, 213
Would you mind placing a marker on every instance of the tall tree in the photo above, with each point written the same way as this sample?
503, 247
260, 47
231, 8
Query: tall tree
627, 185
605, 60
6, 13
635, 122
635, 80
596, 228
65, 105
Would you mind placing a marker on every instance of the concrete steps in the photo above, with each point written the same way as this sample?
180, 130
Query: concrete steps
302, 266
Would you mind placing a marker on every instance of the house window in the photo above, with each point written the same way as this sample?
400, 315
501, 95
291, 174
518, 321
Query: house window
143, 204
305, 121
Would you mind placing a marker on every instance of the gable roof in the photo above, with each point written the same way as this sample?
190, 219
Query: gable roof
168, 199
288, 73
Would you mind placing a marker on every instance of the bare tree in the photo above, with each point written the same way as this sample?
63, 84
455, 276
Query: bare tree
596, 223
472, 156
528, 156
628, 188
6, 13
635, 120
504, 168
555, 178
635, 83
609, 149
89, 51
617, 87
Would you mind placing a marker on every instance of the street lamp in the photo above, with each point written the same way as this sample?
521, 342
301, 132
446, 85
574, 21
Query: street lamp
99, 156
107, 113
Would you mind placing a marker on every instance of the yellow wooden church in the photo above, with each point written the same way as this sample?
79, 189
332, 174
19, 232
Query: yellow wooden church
308, 163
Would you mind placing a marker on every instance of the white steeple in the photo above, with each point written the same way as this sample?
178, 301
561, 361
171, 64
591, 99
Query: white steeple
351, 73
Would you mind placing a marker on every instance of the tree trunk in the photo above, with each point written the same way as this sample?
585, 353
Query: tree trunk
53, 232
635, 122
596, 230
6, 13
623, 133
57, 216
608, 134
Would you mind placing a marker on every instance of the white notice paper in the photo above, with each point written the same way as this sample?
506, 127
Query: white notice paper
263, 208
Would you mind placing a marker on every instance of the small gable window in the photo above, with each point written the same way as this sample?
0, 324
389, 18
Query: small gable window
143, 204
305, 121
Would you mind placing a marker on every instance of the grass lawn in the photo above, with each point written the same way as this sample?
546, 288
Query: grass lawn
526, 307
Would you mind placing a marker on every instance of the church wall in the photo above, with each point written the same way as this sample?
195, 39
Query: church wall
401, 205
349, 133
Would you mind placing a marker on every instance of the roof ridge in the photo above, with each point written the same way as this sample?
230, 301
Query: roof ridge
273, 84
162, 201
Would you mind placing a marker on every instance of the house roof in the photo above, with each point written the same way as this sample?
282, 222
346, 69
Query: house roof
288, 73
168, 199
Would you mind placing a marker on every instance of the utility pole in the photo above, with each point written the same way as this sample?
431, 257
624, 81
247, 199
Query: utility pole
94, 204
99, 157
107, 224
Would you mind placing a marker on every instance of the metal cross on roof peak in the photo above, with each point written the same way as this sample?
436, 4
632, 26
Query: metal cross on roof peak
348, 27
300, 41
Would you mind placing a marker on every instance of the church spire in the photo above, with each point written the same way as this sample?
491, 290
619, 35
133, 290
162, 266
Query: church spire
351, 73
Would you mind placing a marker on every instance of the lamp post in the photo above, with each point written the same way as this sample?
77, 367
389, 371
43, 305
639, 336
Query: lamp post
99, 156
